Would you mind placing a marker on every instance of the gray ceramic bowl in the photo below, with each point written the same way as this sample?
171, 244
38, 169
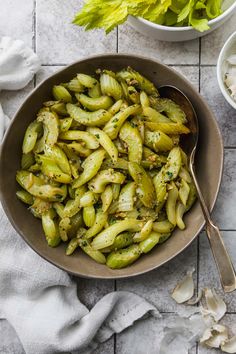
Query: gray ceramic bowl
209, 163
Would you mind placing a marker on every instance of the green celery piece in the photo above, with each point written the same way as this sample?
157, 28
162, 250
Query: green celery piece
213, 8
200, 5
157, 9
108, 14
186, 11
170, 18
200, 25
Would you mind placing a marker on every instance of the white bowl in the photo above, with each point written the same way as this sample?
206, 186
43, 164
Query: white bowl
222, 67
179, 34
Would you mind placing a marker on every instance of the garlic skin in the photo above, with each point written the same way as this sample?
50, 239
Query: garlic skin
197, 299
214, 336
184, 290
216, 307
229, 346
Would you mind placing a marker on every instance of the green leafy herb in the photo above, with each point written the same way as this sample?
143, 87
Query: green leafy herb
108, 14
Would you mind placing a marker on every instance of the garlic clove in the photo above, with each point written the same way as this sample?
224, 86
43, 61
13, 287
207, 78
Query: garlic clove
229, 346
184, 290
216, 307
214, 336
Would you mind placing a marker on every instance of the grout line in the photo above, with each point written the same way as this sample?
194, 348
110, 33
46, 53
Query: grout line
230, 147
114, 348
117, 39
56, 64
34, 33
198, 263
34, 26
200, 51
117, 50
199, 65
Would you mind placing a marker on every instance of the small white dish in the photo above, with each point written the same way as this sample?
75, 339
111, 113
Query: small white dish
179, 34
222, 66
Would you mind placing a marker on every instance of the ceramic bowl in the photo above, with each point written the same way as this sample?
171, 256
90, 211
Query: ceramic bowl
209, 169
222, 67
179, 34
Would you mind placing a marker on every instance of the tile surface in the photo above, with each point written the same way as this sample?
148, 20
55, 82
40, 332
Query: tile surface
213, 42
58, 42
166, 52
17, 19
225, 208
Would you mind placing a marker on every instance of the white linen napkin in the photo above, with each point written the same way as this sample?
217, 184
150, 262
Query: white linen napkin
18, 64
39, 300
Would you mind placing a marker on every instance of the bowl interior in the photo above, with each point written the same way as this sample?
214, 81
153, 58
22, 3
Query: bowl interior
209, 163
222, 66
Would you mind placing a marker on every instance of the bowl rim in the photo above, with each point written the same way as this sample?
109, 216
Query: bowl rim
220, 74
185, 28
56, 263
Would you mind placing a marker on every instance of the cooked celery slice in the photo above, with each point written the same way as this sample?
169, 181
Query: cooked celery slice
94, 104
124, 257
145, 190
107, 237
90, 119
130, 135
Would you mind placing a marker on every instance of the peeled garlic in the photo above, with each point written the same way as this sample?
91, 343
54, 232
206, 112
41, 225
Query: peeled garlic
216, 307
214, 336
184, 290
229, 346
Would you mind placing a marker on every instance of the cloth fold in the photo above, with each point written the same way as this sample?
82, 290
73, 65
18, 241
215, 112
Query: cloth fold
18, 64
40, 301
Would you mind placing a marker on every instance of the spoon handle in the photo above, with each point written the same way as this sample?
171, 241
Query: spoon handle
221, 256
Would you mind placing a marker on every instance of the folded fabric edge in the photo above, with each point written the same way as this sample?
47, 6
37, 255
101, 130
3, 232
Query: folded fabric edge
119, 324
125, 320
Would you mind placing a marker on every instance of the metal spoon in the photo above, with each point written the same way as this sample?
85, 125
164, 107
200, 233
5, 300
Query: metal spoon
221, 256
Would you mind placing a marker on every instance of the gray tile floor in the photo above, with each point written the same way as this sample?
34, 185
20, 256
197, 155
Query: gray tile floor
46, 26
